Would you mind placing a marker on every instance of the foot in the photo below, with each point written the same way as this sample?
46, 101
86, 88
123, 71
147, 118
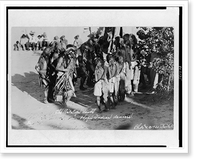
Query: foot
51, 100
107, 107
45, 101
99, 108
113, 107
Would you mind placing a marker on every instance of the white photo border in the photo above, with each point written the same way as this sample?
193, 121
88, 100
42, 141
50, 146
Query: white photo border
128, 146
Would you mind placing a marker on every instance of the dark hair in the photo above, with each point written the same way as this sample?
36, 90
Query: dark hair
99, 60
80, 59
69, 46
109, 56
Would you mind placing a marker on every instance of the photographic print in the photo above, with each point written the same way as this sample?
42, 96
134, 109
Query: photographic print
94, 76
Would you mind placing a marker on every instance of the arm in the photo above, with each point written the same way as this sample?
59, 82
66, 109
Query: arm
115, 74
41, 67
59, 66
96, 78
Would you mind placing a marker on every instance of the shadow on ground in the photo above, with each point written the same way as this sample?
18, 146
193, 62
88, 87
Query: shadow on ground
29, 83
20, 123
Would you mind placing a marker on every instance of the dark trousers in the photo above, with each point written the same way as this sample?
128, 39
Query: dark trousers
39, 45
51, 87
82, 80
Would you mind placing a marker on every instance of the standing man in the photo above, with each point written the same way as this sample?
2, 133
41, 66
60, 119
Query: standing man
63, 42
45, 42
63, 83
41, 68
39, 42
77, 43
82, 72
32, 40
24, 39
57, 43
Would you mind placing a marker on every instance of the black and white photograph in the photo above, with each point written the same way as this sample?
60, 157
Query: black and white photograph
94, 76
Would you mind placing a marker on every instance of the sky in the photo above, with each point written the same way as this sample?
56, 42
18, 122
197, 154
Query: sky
69, 32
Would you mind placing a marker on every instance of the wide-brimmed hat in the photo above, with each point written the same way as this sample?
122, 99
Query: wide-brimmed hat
76, 36
56, 38
63, 36
32, 33
70, 49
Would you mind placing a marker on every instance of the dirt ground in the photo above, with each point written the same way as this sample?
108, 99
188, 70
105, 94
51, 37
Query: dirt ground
29, 112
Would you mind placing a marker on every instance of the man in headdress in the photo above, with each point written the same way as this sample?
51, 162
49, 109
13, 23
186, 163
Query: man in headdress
63, 42
56, 43
65, 69
42, 69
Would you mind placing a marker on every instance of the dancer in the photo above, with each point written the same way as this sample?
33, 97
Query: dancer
63, 84
112, 70
41, 68
101, 85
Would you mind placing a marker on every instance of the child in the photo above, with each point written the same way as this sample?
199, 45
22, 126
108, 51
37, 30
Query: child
122, 77
112, 78
100, 85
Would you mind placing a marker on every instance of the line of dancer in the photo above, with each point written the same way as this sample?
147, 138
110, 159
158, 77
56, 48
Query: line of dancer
108, 66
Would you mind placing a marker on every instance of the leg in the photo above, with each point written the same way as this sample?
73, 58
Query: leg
23, 46
67, 96
99, 103
112, 100
33, 46
27, 46
46, 95
105, 96
116, 90
136, 79
40, 45
82, 81
122, 90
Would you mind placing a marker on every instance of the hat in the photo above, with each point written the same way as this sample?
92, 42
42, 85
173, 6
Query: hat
56, 38
70, 49
63, 36
32, 33
76, 36
96, 36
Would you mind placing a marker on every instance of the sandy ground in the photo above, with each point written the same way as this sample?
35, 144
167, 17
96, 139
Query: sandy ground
29, 112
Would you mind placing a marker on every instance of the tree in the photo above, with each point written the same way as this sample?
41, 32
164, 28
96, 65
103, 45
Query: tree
160, 40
